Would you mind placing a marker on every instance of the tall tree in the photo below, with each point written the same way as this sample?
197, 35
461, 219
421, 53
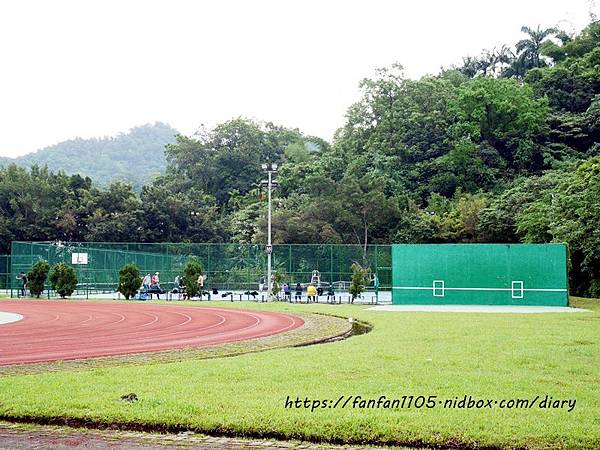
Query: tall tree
531, 46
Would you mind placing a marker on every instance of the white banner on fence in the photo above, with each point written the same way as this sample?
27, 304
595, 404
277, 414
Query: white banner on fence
79, 258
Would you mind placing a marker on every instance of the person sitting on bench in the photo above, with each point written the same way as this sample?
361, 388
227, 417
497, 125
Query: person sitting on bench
155, 286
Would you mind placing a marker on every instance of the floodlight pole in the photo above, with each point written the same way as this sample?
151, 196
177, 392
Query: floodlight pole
270, 168
269, 246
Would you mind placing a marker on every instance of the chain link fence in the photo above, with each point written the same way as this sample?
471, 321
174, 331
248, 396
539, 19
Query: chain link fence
228, 267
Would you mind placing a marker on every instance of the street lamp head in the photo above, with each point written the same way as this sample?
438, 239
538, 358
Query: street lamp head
269, 167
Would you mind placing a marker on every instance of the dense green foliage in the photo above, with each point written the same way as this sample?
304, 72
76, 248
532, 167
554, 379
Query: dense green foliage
63, 279
37, 277
191, 272
503, 148
134, 157
129, 280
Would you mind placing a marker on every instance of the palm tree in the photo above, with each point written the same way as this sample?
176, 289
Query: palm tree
530, 48
470, 66
504, 57
487, 62
517, 69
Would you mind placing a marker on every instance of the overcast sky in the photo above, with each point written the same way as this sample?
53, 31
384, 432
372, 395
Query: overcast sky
96, 68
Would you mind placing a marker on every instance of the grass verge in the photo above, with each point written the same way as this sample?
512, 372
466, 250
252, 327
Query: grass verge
449, 355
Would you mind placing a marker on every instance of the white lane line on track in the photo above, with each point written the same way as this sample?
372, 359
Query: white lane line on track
90, 317
118, 321
149, 323
189, 318
223, 320
233, 333
56, 317
294, 321
131, 334
271, 332
132, 338
237, 330
258, 320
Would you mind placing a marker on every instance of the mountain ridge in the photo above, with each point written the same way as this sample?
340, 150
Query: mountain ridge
135, 156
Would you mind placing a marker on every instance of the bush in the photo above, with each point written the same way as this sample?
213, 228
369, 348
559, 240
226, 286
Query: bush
191, 272
37, 277
63, 279
359, 280
129, 280
278, 278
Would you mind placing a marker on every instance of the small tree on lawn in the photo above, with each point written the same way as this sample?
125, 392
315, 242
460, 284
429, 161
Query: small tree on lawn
191, 272
63, 279
36, 279
359, 280
129, 280
278, 278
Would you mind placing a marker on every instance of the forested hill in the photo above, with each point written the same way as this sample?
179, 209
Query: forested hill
135, 157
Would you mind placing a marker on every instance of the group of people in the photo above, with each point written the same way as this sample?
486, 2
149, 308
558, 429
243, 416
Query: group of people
151, 281
179, 287
312, 292
151, 285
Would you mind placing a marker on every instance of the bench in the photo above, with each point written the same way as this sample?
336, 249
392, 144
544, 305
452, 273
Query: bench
144, 294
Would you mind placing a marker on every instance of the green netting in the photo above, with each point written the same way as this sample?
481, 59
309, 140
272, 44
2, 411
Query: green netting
5, 271
101, 273
228, 266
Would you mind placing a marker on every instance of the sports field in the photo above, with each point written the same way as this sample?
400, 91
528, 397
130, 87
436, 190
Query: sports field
497, 357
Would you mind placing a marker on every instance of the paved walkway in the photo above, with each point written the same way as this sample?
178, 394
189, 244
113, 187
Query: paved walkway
25, 436
516, 309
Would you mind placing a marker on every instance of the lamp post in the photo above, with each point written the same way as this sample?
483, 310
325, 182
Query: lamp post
270, 169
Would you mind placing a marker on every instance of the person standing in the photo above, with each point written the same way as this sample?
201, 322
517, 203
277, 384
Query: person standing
330, 294
261, 284
156, 280
146, 282
298, 296
200, 282
155, 285
311, 292
23, 277
287, 293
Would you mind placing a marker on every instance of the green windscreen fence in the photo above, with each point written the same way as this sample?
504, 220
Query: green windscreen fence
492, 274
97, 266
227, 266
5, 272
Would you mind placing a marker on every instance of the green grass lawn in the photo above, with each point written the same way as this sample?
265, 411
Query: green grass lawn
496, 356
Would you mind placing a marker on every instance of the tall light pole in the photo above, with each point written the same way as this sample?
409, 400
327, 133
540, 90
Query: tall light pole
270, 168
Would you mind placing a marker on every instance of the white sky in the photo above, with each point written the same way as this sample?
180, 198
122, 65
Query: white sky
96, 68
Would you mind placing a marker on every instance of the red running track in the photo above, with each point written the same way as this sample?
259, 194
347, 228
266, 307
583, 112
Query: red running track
65, 330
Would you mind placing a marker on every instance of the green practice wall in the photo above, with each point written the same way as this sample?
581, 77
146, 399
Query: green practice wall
488, 274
